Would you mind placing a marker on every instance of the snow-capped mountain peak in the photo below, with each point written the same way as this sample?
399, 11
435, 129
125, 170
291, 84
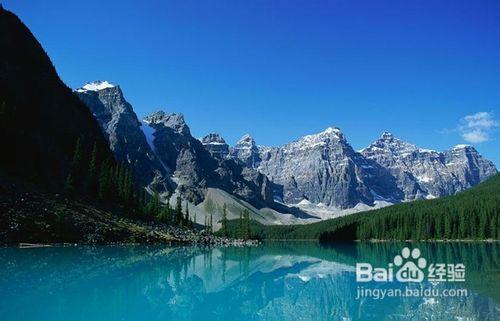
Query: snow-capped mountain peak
318, 168
387, 136
246, 150
389, 143
425, 173
461, 146
331, 133
96, 86
332, 130
246, 140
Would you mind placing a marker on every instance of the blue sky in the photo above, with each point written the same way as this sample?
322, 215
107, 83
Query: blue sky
427, 71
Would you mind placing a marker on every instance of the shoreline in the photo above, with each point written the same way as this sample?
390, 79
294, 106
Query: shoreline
215, 242
228, 243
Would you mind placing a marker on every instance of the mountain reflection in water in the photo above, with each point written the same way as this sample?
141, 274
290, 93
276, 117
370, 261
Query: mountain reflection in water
274, 281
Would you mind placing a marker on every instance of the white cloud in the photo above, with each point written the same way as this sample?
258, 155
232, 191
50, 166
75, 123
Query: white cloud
476, 136
478, 127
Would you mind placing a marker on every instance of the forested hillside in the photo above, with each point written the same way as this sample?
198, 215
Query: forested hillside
59, 180
40, 117
473, 214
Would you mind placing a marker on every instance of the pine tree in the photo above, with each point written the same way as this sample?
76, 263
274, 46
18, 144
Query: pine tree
111, 183
154, 206
164, 215
92, 176
120, 175
143, 202
74, 178
69, 185
178, 211
224, 220
240, 230
77, 160
447, 226
246, 224
128, 186
169, 211
187, 220
104, 181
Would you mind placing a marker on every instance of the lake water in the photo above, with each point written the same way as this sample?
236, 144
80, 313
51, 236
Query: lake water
274, 281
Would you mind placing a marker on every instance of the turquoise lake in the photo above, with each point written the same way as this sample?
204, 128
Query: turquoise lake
273, 281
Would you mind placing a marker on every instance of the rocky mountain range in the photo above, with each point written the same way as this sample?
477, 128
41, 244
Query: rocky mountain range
324, 169
54, 136
165, 157
122, 130
321, 169
423, 173
193, 166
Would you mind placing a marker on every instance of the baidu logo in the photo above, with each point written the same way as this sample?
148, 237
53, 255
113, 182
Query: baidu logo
410, 266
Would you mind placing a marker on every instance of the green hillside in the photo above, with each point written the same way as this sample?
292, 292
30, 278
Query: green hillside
472, 214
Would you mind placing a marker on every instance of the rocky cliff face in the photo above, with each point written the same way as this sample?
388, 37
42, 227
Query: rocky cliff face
193, 167
324, 168
123, 131
199, 165
247, 152
216, 146
468, 165
423, 173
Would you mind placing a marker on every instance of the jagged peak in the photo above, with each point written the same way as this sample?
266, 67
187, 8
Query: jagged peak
389, 142
96, 86
214, 139
170, 120
386, 136
246, 140
246, 137
160, 116
461, 146
330, 132
328, 136
389, 138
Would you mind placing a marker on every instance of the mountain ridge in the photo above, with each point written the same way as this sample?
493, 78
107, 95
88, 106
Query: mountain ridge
173, 155
322, 168
122, 130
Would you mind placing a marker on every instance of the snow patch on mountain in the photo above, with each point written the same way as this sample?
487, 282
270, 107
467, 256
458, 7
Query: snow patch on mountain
149, 133
96, 86
324, 212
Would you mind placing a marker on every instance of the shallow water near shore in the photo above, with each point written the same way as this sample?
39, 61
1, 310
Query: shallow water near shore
272, 281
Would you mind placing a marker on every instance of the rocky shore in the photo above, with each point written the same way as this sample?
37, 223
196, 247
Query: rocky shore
38, 219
